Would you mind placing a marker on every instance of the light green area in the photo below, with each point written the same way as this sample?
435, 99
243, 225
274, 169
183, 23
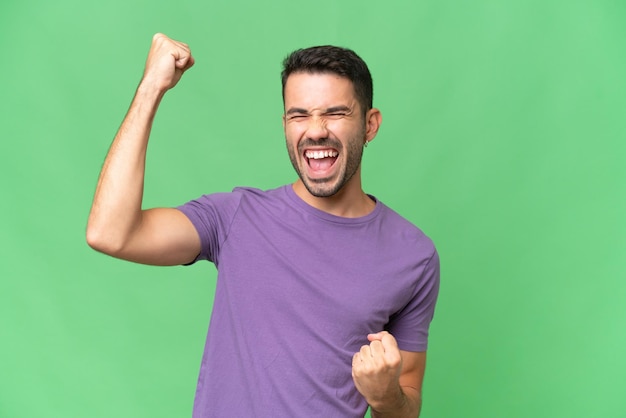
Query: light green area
503, 139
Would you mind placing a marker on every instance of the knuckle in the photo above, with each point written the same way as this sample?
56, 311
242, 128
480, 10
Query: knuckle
395, 361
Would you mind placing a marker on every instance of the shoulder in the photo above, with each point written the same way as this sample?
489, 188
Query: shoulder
227, 205
258, 194
399, 229
214, 202
233, 198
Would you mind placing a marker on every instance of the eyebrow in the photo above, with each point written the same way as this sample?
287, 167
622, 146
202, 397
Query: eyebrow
293, 110
334, 109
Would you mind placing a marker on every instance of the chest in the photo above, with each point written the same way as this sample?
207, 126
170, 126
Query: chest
320, 282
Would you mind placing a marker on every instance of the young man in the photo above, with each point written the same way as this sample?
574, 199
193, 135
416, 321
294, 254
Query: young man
324, 295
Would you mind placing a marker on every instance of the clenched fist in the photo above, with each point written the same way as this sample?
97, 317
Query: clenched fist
167, 61
376, 369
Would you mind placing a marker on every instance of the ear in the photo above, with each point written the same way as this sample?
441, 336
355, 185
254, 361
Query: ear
373, 120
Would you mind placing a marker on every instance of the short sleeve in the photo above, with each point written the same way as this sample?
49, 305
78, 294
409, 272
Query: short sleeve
410, 325
212, 216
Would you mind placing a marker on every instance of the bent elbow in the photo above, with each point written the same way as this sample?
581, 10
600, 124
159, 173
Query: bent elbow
98, 240
93, 239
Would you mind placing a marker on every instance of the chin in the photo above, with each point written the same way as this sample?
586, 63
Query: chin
319, 190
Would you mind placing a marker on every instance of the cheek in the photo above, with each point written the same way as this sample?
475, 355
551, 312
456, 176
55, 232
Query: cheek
293, 134
345, 130
291, 138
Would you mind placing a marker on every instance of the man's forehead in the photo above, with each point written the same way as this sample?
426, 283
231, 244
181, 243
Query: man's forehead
315, 86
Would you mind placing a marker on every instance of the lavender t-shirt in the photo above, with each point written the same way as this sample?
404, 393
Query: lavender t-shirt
298, 290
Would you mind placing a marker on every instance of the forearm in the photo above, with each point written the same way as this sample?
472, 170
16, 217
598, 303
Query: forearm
116, 208
407, 404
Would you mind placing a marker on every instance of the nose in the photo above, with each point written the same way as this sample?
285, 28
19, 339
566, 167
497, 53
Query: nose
317, 128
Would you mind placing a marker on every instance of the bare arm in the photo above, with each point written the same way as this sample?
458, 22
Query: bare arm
117, 224
409, 402
390, 379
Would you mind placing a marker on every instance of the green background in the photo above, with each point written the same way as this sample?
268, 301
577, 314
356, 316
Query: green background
503, 139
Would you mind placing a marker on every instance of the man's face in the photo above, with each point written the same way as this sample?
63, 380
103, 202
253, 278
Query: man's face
325, 131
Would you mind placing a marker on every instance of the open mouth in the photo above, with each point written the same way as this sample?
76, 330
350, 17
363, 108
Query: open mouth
320, 161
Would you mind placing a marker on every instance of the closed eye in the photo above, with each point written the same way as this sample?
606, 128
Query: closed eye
337, 112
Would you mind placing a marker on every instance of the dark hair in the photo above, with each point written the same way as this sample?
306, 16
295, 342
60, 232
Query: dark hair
335, 60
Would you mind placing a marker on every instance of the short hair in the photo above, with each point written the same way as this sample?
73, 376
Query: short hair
334, 60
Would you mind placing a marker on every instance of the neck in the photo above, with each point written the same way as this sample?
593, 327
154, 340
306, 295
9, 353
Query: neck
350, 202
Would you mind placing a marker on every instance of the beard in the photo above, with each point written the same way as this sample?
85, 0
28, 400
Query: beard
351, 157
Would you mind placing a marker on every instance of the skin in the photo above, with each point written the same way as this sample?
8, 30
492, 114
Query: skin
321, 114
390, 379
117, 224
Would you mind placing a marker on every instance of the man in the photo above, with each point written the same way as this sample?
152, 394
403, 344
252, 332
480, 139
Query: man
324, 295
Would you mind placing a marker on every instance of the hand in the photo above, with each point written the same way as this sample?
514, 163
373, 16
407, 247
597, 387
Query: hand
376, 371
167, 61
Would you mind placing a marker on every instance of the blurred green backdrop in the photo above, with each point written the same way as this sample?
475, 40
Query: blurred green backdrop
503, 139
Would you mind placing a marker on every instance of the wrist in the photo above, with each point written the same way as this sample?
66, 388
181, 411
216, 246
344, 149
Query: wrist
149, 90
391, 404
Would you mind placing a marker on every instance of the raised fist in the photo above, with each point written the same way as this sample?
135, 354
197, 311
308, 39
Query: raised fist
167, 61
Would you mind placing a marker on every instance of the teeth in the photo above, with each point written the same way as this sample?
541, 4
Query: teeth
321, 154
